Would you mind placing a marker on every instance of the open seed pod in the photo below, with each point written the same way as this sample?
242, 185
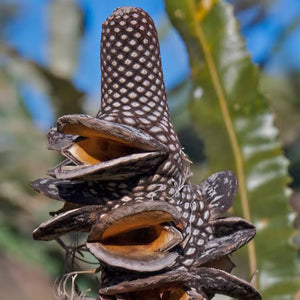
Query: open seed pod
230, 234
138, 237
72, 220
208, 234
202, 283
105, 150
98, 218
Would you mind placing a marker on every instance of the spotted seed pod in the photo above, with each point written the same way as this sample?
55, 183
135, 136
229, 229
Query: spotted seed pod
125, 182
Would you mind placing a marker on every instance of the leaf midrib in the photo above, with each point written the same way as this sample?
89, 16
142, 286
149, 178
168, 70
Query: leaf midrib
229, 128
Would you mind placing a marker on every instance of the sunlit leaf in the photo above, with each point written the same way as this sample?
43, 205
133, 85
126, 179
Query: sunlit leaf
237, 126
283, 98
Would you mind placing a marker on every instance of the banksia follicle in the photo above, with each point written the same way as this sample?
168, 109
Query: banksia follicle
125, 181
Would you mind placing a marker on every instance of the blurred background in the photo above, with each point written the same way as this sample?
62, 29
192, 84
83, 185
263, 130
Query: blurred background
50, 66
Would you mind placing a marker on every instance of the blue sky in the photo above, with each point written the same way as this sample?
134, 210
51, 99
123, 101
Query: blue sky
261, 38
28, 32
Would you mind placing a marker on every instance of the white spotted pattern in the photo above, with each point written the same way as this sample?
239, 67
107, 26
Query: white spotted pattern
132, 85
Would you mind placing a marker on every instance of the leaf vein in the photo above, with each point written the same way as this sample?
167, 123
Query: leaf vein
229, 127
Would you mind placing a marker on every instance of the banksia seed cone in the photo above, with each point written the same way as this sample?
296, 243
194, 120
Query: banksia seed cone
125, 182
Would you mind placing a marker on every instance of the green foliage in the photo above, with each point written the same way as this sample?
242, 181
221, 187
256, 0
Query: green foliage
235, 121
23, 158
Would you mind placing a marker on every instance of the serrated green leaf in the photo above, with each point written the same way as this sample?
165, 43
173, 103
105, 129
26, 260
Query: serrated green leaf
236, 123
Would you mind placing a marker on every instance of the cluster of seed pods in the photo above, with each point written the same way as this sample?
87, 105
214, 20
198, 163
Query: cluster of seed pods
125, 182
